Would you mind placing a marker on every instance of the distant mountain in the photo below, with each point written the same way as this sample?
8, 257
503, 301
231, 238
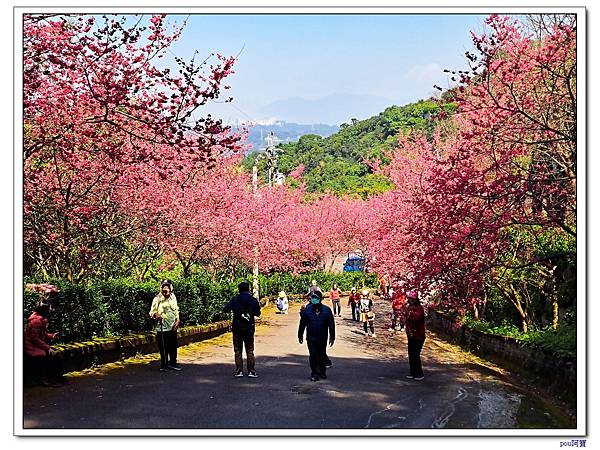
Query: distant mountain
338, 163
284, 132
333, 109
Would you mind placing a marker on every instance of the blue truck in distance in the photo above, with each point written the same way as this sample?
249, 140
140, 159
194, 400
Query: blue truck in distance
354, 263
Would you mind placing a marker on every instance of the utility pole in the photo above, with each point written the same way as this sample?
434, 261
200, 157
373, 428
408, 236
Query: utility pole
255, 290
271, 157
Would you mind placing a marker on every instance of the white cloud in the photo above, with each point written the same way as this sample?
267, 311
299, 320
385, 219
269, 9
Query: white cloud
425, 72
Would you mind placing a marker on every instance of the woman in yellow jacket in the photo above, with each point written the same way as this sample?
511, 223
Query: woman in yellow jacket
166, 313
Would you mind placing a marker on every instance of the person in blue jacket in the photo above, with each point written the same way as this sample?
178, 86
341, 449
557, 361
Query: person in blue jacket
318, 321
245, 308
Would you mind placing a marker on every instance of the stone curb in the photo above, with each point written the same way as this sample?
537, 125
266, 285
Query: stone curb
82, 355
508, 352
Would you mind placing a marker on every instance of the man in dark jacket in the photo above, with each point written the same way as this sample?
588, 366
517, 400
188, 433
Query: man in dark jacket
318, 321
244, 308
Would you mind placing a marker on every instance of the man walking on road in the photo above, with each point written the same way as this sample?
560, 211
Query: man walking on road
318, 321
245, 308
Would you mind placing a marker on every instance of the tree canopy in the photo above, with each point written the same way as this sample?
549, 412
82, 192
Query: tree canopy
341, 163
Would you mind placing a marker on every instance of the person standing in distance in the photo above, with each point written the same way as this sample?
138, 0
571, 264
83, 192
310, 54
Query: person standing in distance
415, 332
317, 320
245, 308
335, 295
165, 311
398, 310
353, 302
314, 287
367, 315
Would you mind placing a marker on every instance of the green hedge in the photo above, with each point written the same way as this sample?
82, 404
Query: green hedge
299, 284
121, 306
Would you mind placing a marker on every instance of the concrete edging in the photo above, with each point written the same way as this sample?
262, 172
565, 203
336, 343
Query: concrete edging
83, 355
510, 353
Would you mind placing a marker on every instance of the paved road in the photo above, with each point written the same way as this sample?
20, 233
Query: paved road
366, 388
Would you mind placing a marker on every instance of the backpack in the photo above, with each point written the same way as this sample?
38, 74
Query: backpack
245, 320
364, 305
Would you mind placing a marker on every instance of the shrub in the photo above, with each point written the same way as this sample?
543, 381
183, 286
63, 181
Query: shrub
299, 284
121, 306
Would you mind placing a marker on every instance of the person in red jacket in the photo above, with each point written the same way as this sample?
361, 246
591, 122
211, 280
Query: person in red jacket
334, 296
398, 310
37, 357
415, 332
353, 301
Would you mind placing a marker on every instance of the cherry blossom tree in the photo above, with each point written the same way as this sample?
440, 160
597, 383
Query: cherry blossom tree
97, 109
449, 223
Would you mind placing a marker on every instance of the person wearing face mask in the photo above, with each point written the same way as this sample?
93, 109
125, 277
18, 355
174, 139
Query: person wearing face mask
165, 311
367, 315
317, 320
353, 302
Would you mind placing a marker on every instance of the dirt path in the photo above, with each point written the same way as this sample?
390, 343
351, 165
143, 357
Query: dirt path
366, 387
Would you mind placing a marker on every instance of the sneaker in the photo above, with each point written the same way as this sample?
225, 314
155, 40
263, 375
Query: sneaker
253, 374
328, 364
163, 369
238, 374
390, 329
419, 378
174, 367
314, 378
373, 335
410, 377
323, 376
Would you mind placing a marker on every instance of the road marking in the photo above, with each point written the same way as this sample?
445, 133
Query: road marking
442, 420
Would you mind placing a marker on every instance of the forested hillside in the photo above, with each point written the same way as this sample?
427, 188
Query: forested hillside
339, 163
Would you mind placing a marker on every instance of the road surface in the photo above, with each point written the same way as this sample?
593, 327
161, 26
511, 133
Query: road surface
366, 387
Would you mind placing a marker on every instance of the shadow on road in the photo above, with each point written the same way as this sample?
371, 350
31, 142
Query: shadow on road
360, 392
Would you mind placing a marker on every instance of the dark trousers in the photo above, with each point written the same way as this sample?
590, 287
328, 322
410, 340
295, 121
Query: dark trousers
371, 325
355, 312
414, 356
243, 339
317, 356
398, 319
337, 307
167, 346
38, 369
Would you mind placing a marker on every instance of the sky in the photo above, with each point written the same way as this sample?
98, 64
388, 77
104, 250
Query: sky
328, 68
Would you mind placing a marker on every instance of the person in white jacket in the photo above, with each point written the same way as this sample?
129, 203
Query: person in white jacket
282, 303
